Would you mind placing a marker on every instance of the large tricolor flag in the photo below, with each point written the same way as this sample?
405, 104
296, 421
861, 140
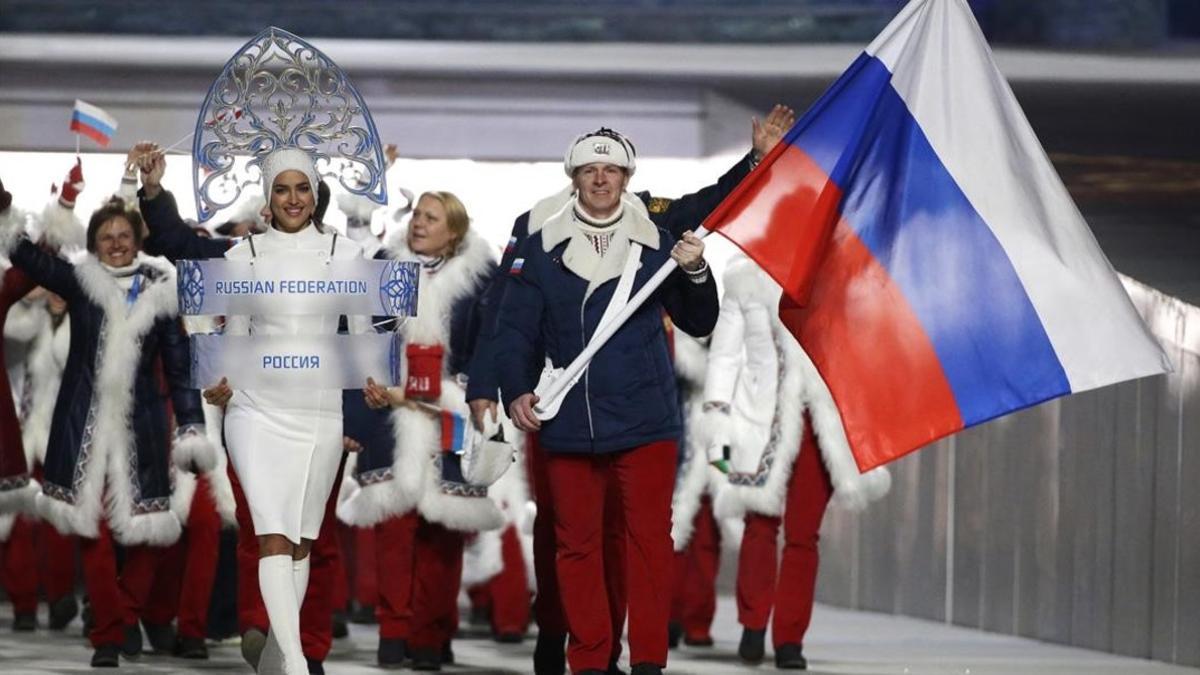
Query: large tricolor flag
934, 266
93, 122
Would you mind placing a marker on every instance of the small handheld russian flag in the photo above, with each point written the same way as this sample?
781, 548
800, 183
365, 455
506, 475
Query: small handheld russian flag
456, 433
91, 121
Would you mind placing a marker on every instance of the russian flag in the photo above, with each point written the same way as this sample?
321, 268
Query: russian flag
454, 432
933, 265
93, 122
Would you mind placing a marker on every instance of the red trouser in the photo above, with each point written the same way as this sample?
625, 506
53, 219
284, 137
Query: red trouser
547, 604
808, 494
696, 567
437, 575
316, 614
116, 601
183, 586
579, 484
358, 554
57, 554
509, 590
506, 595
394, 544
18, 566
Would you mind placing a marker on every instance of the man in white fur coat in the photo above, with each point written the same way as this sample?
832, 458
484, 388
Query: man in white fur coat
766, 403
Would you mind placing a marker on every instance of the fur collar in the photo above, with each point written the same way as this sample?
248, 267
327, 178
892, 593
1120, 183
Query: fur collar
581, 258
158, 298
461, 274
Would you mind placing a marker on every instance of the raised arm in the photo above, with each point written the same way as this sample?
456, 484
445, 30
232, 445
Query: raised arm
169, 236
690, 210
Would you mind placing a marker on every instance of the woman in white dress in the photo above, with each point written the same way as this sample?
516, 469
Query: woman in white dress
286, 445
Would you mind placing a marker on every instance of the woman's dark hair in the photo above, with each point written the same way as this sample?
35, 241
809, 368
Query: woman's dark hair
114, 208
323, 196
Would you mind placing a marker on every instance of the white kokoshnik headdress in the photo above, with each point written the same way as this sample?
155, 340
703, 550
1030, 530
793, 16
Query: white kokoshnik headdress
276, 98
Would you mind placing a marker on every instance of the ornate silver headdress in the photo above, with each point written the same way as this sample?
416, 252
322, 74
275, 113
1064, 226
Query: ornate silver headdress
279, 91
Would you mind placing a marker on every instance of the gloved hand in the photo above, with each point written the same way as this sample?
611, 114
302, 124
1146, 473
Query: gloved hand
72, 185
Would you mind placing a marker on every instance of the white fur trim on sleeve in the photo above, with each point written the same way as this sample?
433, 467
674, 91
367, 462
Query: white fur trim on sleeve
191, 449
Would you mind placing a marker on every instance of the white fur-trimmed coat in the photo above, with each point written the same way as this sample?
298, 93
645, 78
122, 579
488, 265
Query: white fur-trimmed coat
756, 367
412, 480
91, 469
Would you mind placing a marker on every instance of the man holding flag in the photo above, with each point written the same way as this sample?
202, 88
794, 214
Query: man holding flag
622, 421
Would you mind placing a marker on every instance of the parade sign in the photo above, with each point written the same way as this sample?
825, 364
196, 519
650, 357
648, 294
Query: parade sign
295, 362
294, 285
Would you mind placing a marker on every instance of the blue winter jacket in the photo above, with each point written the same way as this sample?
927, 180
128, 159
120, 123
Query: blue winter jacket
628, 397
676, 215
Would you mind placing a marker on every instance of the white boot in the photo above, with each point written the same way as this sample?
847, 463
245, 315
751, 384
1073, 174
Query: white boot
300, 578
270, 662
275, 580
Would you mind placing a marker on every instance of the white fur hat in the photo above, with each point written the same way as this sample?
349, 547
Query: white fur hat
603, 146
289, 158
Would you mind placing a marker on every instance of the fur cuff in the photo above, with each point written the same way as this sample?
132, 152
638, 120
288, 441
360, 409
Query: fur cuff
67, 518
464, 514
61, 228
482, 559
21, 499
371, 504
192, 451
855, 494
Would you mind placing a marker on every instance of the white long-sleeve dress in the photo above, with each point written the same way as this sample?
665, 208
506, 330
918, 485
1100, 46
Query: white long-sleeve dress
286, 445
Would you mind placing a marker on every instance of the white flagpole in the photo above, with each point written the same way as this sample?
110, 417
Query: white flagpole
172, 146
563, 383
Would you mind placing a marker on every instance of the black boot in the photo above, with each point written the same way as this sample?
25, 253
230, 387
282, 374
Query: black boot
107, 656
550, 654
24, 622
86, 617
447, 654
315, 667
646, 669
63, 611
364, 614
752, 647
392, 652
132, 646
614, 669
191, 648
790, 657
480, 616
674, 634
425, 659
161, 637
340, 629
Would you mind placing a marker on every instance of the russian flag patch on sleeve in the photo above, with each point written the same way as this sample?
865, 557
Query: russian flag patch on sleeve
517, 265
512, 244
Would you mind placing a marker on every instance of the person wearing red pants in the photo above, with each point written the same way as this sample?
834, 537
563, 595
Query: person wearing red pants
494, 570
26, 350
110, 414
430, 464
622, 422
694, 530
765, 410
549, 657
